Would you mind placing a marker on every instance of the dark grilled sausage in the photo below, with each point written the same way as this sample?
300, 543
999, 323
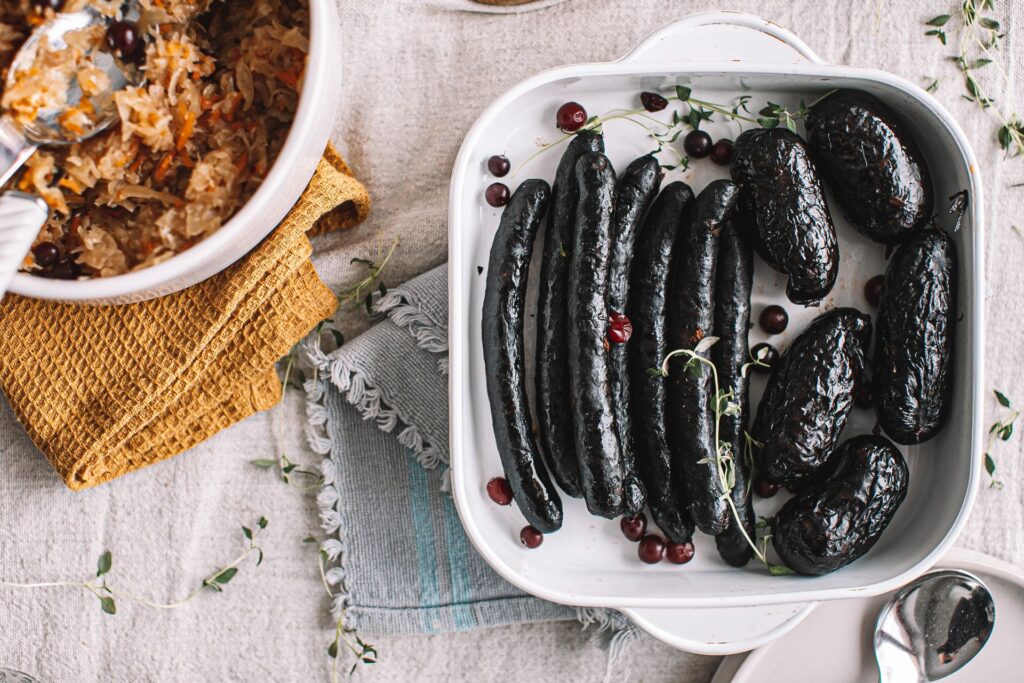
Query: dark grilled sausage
637, 186
730, 354
842, 513
914, 347
648, 306
781, 196
597, 443
872, 165
809, 396
691, 312
504, 302
557, 433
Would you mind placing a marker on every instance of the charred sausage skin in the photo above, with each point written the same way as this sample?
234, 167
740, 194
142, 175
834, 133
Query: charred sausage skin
782, 201
557, 432
691, 313
637, 186
504, 362
597, 442
648, 305
732, 323
913, 368
843, 512
872, 164
809, 397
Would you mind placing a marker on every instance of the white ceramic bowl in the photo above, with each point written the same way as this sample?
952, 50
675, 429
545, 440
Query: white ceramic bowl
288, 177
707, 606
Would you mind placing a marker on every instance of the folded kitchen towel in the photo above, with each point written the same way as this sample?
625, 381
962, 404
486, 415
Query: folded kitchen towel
106, 390
378, 411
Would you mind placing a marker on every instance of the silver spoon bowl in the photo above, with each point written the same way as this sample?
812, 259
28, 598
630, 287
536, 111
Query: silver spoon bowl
24, 216
933, 627
19, 140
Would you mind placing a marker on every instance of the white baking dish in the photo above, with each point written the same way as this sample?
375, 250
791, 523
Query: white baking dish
275, 197
707, 606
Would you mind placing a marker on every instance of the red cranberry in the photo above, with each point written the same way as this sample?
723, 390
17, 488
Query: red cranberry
499, 491
497, 194
652, 101
125, 40
571, 117
774, 319
620, 328
634, 528
679, 553
46, 254
721, 152
651, 549
766, 354
765, 489
697, 144
873, 290
530, 537
499, 166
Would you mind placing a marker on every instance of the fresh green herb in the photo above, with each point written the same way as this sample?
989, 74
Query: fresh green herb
933, 86
358, 293
1001, 430
344, 635
692, 114
107, 595
979, 42
724, 404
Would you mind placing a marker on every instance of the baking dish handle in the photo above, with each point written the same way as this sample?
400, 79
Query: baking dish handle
719, 630
724, 36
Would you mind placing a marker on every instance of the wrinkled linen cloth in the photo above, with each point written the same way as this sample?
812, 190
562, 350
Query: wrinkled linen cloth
415, 77
378, 411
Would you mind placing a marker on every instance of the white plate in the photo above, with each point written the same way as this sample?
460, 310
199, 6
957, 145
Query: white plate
834, 643
588, 562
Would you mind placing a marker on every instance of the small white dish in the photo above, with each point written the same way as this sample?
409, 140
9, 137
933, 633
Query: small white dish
719, 55
834, 643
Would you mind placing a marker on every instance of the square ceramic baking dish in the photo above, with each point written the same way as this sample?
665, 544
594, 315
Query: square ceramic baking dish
707, 606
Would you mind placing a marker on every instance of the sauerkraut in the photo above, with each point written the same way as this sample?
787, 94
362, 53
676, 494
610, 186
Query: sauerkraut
192, 144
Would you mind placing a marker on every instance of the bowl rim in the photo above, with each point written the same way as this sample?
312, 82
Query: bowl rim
236, 228
459, 288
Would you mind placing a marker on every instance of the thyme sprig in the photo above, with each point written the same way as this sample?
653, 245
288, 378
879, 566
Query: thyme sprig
724, 404
108, 595
344, 636
363, 291
1001, 429
693, 113
978, 45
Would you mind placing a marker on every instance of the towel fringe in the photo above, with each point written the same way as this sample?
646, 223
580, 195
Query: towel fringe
430, 336
613, 632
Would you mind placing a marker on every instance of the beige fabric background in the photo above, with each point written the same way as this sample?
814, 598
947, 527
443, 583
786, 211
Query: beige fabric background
416, 75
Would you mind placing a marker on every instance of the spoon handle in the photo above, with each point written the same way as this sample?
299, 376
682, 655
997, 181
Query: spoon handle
14, 150
21, 217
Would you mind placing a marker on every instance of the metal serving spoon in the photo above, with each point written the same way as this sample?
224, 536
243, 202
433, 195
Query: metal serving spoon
19, 142
933, 627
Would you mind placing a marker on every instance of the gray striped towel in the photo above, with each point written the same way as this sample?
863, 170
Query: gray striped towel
378, 411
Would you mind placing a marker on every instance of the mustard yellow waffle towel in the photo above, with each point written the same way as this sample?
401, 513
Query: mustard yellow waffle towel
107, 390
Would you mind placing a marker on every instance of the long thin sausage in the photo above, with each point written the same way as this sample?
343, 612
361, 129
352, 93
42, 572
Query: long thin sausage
504, 304
637, 187
597, 443
730, 354
690, 319
648, 304
557, 433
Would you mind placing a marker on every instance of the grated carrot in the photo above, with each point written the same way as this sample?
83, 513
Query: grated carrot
163, 167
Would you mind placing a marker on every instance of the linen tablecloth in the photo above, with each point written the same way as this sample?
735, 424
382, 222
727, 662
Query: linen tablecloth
416, 75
